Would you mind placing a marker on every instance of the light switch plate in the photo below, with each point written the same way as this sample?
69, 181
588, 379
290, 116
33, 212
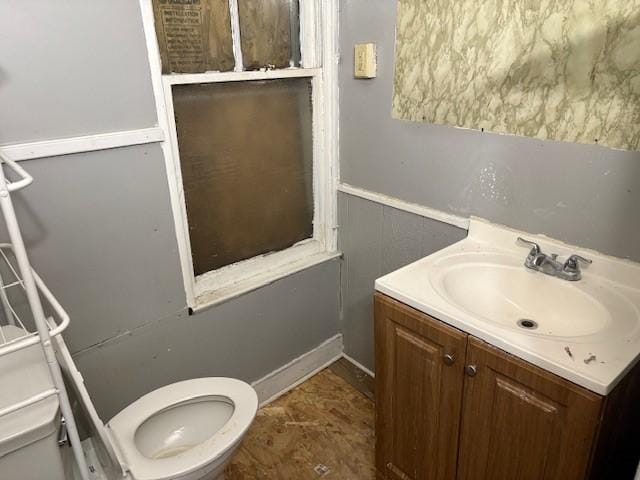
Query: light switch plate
364, 60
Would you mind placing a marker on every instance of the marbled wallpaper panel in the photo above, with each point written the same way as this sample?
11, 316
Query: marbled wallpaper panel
553, 69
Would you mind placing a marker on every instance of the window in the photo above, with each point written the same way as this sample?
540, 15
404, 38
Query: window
246, 164
248, 91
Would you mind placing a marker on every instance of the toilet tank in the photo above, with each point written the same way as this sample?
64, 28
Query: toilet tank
29, 436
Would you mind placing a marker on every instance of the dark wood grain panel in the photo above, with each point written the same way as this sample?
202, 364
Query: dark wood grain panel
417, 370
523, 423
418, 396
266, 33
525, 430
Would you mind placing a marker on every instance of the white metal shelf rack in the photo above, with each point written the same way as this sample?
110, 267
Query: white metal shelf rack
16, 274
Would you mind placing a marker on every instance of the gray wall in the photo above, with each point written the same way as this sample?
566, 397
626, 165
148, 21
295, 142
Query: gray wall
582, 194
246, 338
376, 240
71, 68
99, 226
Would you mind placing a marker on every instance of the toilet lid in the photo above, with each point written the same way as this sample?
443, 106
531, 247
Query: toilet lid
123, 426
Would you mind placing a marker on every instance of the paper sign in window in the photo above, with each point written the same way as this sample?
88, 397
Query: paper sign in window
194, 36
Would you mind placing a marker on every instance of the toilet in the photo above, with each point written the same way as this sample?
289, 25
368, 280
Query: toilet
183, 431
187, 430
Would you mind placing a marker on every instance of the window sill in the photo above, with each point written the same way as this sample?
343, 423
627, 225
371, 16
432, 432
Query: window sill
211, 298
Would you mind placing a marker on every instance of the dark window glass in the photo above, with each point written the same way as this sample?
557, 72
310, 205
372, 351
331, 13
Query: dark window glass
246, 160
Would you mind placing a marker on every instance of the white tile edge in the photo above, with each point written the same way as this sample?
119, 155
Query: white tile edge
280, 381
417, 209
86, 143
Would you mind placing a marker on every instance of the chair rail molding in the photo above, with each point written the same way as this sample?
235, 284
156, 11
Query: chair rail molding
80, 144
427, 212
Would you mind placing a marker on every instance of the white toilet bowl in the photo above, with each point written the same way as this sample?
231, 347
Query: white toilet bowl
183, 431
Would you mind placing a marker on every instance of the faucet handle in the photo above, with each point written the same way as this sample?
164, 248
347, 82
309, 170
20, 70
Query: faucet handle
572, 263
535, 248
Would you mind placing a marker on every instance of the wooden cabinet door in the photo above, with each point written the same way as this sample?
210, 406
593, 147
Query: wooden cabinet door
522, 423
418, 393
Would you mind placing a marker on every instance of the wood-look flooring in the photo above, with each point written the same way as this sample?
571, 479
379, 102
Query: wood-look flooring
324, 428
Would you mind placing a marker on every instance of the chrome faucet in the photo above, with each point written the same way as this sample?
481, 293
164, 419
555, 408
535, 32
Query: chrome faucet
549, 264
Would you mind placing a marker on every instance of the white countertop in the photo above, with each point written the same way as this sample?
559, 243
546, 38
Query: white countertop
613, 346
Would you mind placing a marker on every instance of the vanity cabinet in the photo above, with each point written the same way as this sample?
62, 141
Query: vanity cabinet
419, 375
450, 406
520, 422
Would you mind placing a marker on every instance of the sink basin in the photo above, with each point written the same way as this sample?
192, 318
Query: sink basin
513, 297
586, 331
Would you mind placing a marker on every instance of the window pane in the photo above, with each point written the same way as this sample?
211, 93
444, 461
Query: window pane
270, 33
194, 35
246, 160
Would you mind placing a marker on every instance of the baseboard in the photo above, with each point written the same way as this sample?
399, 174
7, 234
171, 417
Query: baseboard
298, 370
359, 365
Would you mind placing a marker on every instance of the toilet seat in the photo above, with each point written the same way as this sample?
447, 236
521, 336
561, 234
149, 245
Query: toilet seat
122, 428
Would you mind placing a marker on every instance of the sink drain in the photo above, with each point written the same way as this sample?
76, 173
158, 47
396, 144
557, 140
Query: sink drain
528, 324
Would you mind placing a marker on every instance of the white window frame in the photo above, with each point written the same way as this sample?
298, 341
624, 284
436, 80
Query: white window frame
318, 42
